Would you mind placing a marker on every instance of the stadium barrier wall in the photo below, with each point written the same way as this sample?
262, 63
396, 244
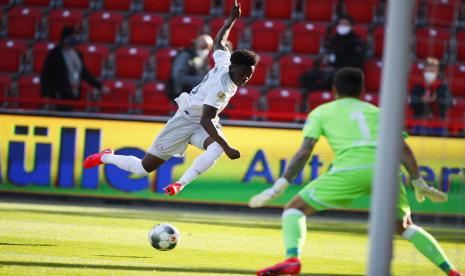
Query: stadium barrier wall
43, 155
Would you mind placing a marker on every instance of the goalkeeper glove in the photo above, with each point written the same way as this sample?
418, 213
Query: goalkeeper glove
422, 190
269, 194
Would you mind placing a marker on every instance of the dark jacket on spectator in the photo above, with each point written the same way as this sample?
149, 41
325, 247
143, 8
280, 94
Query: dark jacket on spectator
427, 110
348, 49
54, 81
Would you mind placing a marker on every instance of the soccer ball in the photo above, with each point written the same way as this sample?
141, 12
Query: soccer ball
164, 237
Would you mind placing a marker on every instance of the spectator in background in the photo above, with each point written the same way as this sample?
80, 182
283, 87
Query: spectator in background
190, 66
64, 69
343, 49
431, 98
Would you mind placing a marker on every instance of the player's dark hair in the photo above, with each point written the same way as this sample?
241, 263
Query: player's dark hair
346, 17
349, 82
244, 57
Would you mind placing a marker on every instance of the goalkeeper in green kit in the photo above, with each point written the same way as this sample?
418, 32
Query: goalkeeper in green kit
351, 128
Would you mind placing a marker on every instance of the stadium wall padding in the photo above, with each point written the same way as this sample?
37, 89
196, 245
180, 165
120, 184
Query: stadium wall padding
43, 155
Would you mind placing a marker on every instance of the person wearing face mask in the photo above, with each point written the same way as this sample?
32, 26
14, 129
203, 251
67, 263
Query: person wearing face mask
343, 49
431, 97
64, 69
190, 66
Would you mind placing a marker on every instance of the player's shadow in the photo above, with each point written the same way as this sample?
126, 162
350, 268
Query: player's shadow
195, 270
24, 244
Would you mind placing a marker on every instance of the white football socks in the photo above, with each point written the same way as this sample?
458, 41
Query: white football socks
128, 163
202, 163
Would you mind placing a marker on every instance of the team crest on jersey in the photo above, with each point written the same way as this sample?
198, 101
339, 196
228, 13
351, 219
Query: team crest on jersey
221, 95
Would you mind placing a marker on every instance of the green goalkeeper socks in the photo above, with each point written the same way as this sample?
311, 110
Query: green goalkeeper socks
428, 246
295, 231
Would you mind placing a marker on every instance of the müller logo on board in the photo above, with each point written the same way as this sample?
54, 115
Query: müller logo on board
67, 177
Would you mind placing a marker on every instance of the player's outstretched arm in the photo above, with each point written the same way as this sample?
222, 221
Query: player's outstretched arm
420, 186
223, 33
280, 185
208, 114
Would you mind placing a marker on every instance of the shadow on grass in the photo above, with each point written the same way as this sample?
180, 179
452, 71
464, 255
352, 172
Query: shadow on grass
148, 268
120, 256
447, 235
24, 244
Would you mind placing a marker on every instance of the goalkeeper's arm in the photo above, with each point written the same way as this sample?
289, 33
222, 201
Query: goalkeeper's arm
295, 166
420, 186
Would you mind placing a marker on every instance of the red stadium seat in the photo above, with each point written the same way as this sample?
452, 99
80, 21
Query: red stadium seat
104, 26
131, 62
12, 53
145, 29
41, 3
371, 98
58, 19
416, 73
362, 11
163, 60
39, 53
154, 93
122, 92
246, 7
262, 70
184, 29
291, 67
95, 57
120, 5
307, 37
267, 35
284, 101
320, 10
234, 35
457, 112
361, 31
442, 13
76, 4
198, 7
461, 45
23, 22
432, 42
162, 6
373, 75
279, 9
456, 79
245, 100
378, 40
318, 98
5, 87
29, 88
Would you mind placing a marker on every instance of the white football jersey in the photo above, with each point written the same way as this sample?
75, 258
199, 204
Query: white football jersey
215, 90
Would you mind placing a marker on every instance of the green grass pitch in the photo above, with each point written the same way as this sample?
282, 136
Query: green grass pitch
58, 239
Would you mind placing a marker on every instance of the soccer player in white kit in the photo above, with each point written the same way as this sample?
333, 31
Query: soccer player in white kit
196, 121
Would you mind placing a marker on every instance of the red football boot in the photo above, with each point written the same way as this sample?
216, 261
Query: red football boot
455, 273
290, 266
173, 189
95, 159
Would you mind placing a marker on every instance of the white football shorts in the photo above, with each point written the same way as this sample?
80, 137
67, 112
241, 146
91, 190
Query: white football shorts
178, 132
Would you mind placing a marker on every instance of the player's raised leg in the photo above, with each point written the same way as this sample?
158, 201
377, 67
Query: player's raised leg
294, 228
128, 163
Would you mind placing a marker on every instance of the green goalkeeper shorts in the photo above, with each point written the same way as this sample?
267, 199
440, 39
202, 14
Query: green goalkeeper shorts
337, 191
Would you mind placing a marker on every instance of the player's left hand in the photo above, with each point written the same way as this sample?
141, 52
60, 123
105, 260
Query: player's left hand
423, 190
232, 153
235, 10
269, 194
